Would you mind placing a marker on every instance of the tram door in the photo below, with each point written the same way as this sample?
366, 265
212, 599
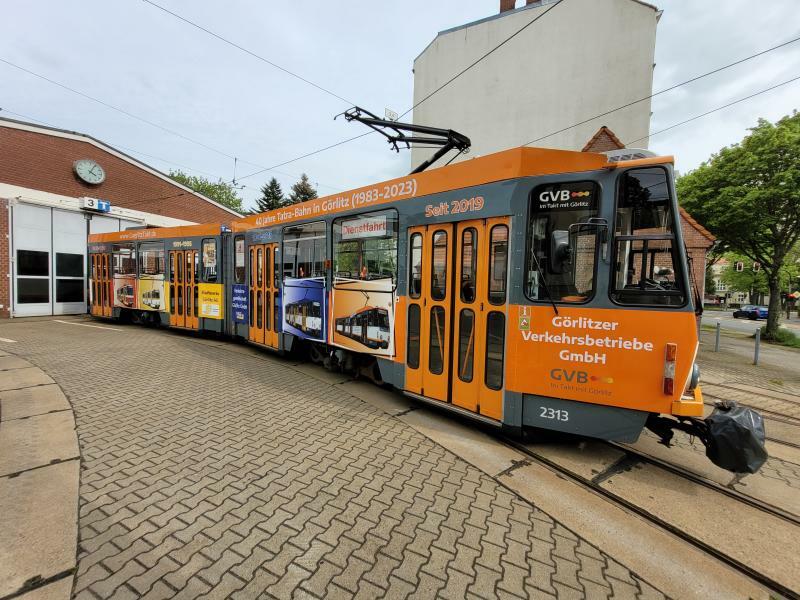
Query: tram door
101, 285
107, 287
458, 278
190, 277
262, 283
177, 301
429, 308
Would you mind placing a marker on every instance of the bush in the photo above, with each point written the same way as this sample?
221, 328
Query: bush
784, 337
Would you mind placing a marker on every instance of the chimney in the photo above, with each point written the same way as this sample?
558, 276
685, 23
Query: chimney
506, 5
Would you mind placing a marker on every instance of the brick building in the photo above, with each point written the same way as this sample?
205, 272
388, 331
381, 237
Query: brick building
697, 238
52, 183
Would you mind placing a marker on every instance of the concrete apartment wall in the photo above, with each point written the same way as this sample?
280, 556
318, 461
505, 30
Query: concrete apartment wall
581, 59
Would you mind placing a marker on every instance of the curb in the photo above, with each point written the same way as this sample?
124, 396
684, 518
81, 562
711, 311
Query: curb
39, 478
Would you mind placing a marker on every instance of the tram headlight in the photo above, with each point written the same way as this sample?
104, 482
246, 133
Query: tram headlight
694, 379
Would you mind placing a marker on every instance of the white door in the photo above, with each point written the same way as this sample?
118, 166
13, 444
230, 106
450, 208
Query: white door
69, 262
32, 234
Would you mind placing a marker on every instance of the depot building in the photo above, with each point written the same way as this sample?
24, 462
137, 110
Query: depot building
57, 187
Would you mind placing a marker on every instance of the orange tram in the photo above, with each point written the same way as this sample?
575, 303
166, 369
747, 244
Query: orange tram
531, 288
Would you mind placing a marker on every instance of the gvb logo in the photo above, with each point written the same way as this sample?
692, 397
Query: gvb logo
561, 196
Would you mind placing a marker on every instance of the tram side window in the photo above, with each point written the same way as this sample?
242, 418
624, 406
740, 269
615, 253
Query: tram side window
365, 246
562, 242
151, 258
304, 250
415, 266
124, 259
239, 259
209, 260
645, 254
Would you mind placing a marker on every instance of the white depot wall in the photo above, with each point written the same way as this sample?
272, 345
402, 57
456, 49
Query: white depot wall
583, 58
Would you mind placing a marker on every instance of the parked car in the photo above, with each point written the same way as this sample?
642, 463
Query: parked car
750, 311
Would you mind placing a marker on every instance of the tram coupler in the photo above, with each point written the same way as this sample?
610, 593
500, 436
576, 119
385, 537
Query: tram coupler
733, 435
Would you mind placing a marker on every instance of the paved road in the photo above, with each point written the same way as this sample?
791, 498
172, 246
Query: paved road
744, 325
229, 473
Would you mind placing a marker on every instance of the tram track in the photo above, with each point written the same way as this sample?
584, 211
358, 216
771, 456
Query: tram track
630, 457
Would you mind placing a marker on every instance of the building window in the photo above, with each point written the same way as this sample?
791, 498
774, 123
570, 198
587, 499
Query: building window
33, 291
33, 262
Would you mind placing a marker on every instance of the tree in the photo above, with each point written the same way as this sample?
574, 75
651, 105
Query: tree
750, 279
221, 192
302, 191
271, 197
748, 195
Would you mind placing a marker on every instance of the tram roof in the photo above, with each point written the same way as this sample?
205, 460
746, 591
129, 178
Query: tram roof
500, 166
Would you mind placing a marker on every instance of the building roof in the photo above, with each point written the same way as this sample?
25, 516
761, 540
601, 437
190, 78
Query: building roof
603, 140
75, 135
700, 229
505, 13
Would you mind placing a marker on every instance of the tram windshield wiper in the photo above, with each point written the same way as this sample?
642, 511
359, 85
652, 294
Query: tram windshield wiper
544, 282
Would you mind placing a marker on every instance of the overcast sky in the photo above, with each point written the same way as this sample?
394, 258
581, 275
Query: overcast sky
130, 54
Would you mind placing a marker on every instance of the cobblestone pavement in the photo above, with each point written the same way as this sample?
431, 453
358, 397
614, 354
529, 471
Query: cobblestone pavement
223, 472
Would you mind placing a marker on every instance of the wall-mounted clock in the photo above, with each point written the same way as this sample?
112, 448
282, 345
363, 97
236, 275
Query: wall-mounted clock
88, 170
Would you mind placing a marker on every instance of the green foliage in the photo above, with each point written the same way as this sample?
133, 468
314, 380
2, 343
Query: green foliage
748, 195
221, 192
784, 337
302, 191
711, 284
271, 197
747, 280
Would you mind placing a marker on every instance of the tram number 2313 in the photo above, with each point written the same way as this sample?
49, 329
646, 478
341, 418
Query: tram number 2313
554, 414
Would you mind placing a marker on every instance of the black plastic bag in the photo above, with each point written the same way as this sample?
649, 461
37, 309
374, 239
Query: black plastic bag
736, 438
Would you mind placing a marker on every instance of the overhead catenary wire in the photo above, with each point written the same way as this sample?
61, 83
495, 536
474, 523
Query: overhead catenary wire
665, 90
143, 120
719, 108
249, 52
437, 90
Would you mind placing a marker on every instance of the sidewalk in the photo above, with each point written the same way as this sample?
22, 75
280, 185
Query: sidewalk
778, 368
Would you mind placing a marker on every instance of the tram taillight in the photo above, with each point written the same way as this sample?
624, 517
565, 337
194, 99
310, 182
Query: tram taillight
670, 356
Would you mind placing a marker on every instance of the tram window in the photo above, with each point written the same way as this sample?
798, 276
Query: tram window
645, 250
239, 259
498, 264
259, 268
436, 347
304, 250
151, 258
415, 266
469, 265
124, 259
466, 344
562, 242
365, 246
439, 266
495, 341
209, 261
171, 267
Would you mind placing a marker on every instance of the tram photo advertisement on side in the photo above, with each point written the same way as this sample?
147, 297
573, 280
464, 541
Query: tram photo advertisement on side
515, 289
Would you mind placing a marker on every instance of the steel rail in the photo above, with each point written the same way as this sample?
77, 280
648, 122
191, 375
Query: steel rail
750, 572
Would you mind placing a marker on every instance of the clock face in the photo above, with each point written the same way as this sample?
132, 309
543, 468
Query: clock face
89, 171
